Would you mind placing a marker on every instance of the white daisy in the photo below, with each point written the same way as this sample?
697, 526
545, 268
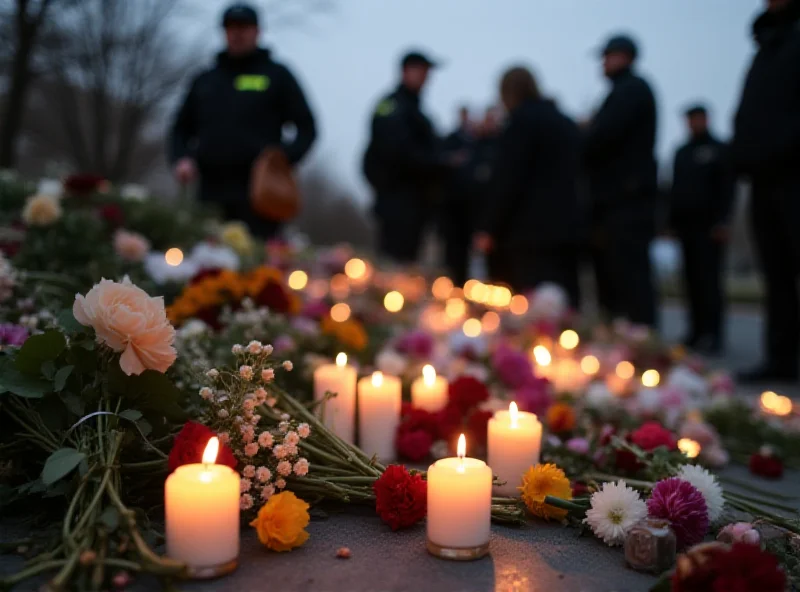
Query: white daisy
615, 509
707, 484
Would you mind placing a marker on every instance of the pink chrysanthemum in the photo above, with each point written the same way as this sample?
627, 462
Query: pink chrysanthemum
683, 506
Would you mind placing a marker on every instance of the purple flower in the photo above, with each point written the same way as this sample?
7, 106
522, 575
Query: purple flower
417, 344
683, 506
11, 334
315, 309
578, 445
284, 343
534, 396
512, 367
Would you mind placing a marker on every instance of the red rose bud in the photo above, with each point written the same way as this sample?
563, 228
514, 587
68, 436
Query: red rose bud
190, 443
467, 392
401, 499
651, 435
766, 464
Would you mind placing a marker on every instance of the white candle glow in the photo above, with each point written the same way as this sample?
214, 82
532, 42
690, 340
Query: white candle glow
459, 506
429, 392
202, 515
514, 445
380, 398
339, 412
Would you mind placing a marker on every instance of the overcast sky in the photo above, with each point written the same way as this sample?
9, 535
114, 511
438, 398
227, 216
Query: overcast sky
690, 50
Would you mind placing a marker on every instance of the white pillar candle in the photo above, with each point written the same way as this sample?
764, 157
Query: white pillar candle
202, 515
380, 399
339, 412
514, 443
429, 392
459, 506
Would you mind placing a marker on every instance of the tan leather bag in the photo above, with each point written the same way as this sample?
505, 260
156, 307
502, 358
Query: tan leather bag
273, 191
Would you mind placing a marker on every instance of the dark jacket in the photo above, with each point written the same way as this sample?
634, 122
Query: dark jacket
404, 153
619, 144
235, 110
702, 182
459, 184
533, 198
767, 126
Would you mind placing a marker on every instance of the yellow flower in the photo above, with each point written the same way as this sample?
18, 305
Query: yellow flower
541, 481
41, 210
237, 237
281, 522
350, 332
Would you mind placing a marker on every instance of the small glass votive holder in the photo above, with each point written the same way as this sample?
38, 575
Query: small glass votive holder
651, 546
458, 553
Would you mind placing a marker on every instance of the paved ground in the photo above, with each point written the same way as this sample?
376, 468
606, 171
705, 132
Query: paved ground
539, 557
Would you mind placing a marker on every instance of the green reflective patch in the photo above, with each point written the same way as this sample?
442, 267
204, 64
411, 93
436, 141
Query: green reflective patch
386, 107
252, 82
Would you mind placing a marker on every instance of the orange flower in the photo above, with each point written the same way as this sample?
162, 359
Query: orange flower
350, 333
560, 418
281, 522
539, 482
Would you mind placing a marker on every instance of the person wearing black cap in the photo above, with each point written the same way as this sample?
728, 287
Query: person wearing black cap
619, 156
405, 163
700, 203
231, 113
766, 150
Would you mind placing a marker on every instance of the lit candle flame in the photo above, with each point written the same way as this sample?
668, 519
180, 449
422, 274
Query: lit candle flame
689, 447
776, 404
461, 451
513, 412
429, 375
569, 339
210, 453
341, 360
377, 378
542, 355
651, 378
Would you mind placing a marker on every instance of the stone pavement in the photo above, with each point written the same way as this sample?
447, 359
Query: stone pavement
539, 557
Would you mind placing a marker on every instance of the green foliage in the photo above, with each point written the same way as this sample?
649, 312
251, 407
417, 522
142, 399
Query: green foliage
59, 464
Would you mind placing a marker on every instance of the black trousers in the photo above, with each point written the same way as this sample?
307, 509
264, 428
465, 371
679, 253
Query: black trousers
456, 227
776, 230
529, 267
232, 196
402, 218
703, 262
620, 253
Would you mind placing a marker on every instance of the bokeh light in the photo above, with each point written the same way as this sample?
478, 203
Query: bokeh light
689, 447
542, 355
625, 370
340, 312
651, 378
490, 322
442, 288
298, 279
590, 365
355, 269
455, 308
569, 339
776, 404
393, 301
472, 328
519, 304
173, 257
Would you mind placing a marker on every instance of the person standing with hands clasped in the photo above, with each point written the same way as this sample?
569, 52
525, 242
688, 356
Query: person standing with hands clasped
406, 164
231, 114
701, 199
766, 150
532, 219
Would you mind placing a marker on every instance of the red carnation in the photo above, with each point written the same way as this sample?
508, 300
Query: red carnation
112, 214
415, 446
467, 392
418, 419
85, 184
477, 426
401, 499
190, 443
274, 297
449, 423
766, 464
651, 435
715, 568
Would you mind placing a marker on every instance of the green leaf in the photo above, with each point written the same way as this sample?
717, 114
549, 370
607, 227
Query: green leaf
84, 360
149, 391
48, 369
60, 380
59, 464
12, 381
39, 349
110, 518
66, 320
131, 414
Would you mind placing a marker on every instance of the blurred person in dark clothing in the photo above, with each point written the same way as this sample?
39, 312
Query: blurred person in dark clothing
231, 113
457, 211
700, 205
405, 163
619, 146
766, 149
532, 218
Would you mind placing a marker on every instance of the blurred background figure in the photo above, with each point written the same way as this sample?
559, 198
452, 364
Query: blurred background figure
531, 218
619, 155
766, 148
405, 163
232, 112
700, 206
457, 212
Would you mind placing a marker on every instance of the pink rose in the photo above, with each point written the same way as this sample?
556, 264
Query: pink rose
130, 246
740, 532
126, 319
